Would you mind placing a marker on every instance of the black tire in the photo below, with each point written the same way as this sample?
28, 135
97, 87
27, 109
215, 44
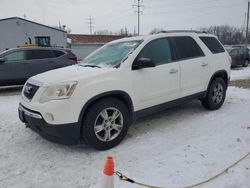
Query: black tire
214, 99
94, 116
245, 64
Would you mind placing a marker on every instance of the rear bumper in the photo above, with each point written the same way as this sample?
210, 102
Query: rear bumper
236, 63
68, 134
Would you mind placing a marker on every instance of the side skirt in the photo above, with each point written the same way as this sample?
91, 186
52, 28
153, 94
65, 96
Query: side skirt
161, 107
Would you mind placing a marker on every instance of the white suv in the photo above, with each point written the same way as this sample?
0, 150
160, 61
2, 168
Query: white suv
98, 99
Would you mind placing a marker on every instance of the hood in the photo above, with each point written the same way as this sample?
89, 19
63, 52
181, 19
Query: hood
70, 73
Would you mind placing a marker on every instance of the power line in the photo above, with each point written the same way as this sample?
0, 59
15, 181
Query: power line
90, 23
138, 11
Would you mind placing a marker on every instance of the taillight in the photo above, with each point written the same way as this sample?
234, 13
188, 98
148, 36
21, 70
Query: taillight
72, 57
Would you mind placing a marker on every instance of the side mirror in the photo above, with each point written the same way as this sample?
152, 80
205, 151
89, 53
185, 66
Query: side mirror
2, 60
142, 63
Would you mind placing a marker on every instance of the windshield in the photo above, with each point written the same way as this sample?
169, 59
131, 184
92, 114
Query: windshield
110, 55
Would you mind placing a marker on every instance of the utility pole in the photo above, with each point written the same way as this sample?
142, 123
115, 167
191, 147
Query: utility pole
91, 23
243, 28
138, 11
248, 4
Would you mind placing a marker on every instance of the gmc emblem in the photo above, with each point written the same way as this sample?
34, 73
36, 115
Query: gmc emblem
28, 89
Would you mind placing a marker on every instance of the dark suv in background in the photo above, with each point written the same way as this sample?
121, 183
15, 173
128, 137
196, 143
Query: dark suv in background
239, 55
18, 64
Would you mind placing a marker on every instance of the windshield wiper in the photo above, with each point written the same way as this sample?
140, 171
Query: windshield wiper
89, 65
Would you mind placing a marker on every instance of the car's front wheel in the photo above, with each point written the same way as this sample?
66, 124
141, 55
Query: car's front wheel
216, 94
106, 123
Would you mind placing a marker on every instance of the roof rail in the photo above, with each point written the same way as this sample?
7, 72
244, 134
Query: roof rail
181, 31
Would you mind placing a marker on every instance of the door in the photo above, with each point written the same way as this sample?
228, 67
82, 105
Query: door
41, 60
15, 69
237, 58
159, 84
194, 66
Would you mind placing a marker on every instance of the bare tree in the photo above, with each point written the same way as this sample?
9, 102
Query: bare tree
122, 31
156, 30
226, 34
103, 32
63, 28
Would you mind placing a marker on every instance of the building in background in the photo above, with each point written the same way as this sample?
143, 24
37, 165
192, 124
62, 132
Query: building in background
83, 45
17, 31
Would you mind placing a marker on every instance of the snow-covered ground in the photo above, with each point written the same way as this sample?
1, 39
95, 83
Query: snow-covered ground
178, 147
240, 73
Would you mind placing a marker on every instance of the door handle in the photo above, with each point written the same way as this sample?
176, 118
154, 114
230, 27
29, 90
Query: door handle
173, 71
204, 64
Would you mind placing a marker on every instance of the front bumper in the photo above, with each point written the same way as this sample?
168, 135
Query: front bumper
68, 134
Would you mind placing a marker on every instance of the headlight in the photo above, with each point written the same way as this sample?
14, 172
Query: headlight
60, 91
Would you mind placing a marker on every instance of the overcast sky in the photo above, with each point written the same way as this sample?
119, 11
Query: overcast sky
116, 14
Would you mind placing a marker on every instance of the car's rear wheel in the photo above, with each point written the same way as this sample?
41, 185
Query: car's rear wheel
215, 95
245, 64
106, 123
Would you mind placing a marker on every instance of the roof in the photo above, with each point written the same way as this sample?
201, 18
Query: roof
182, 31
12, 18
173, 33
79, 38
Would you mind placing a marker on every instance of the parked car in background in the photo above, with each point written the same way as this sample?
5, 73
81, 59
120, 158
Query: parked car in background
239, 55
18, 64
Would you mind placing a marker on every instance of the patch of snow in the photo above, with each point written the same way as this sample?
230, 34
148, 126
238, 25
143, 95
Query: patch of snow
240, 73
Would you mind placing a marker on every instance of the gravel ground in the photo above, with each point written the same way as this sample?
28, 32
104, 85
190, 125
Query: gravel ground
241, 83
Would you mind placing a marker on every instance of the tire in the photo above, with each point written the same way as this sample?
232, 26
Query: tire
215, 95
106, 123
245, 64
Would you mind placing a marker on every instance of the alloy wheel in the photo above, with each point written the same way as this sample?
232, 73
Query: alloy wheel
108, 124
217, 93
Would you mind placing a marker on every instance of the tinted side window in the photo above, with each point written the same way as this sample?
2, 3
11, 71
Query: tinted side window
58, 53
234, 52
15, 56
243, 50
213, 44
158, 51
40, 54
186, 47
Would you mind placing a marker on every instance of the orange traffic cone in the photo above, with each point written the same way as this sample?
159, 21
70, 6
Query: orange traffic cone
108, 171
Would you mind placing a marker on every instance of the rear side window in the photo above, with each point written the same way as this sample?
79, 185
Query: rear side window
158, 51
213, 44
234, 52
186, 48
40, 54
58, 53
243, 50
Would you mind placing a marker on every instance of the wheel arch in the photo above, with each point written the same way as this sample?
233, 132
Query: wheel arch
221, 73
121, 95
